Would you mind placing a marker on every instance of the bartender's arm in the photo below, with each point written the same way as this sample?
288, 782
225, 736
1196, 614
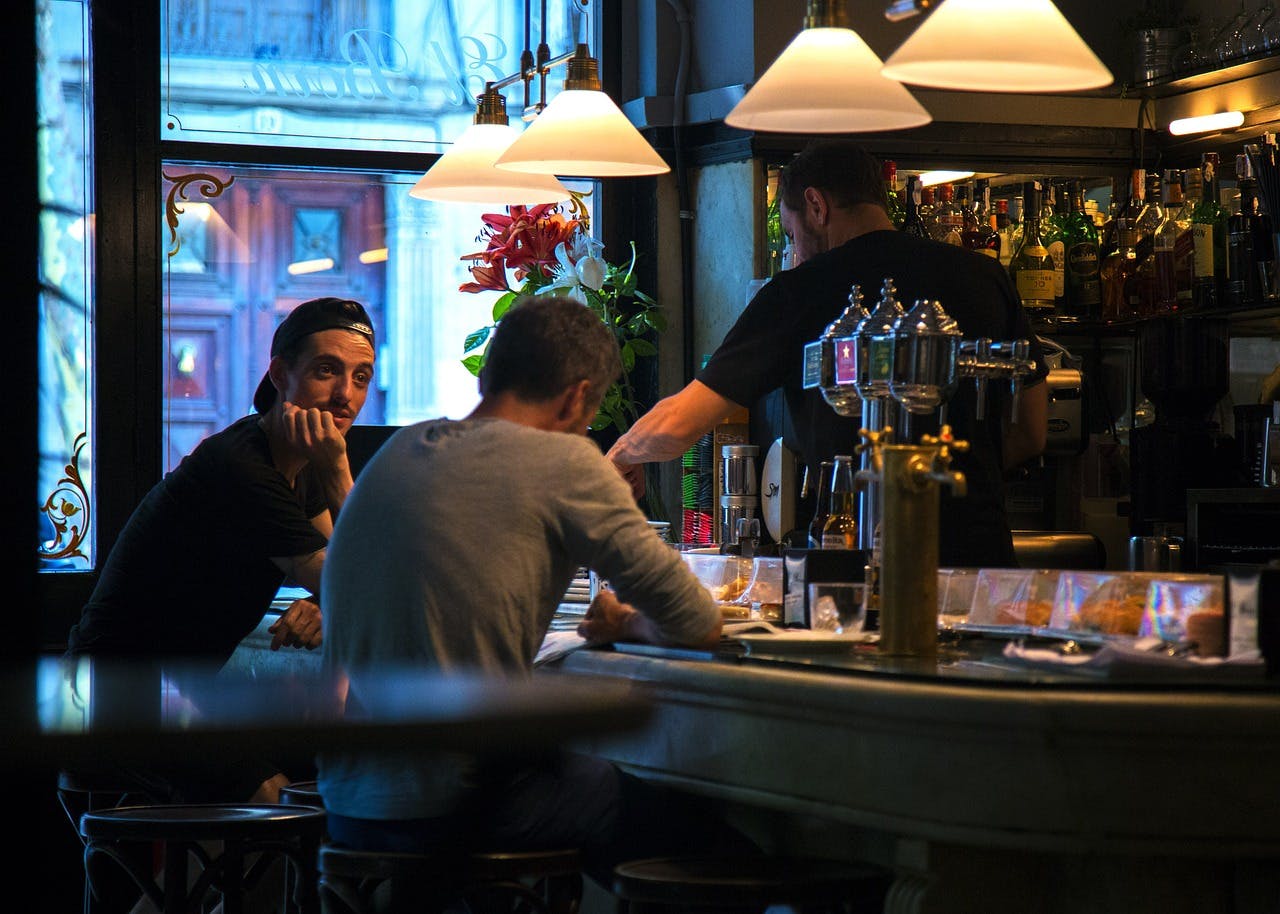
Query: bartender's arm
1025, 437
668, 430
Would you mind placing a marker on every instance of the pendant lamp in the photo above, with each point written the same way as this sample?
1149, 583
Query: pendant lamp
465, 174
997, 46
827, 81
582, 133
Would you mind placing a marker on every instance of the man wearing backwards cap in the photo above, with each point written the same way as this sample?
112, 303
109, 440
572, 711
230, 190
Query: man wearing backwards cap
206, 551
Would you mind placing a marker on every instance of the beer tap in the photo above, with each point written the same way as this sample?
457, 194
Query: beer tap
822, 355
983, 359
909, 477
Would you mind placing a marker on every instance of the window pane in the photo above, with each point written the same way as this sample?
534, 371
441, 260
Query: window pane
250, 244
396, 75
66, 299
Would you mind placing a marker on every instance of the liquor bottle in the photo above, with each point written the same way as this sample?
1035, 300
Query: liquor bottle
1209, 236
1051, 232
928, 218
822, 507
1242, 288
840, 531
1164, 270
991, 240
1013, 240
774, 236
911, 223
1119, 275
1003, 229
972, 232
1151, 216
948, 219
893, 199
1082, 298
1031, 266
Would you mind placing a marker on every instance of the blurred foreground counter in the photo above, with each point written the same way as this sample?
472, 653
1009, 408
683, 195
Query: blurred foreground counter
68, 712
986, 784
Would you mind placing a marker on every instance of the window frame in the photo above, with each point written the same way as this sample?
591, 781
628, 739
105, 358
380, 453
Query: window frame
128, 334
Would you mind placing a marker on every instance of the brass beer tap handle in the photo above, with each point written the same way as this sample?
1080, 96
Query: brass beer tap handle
940, 471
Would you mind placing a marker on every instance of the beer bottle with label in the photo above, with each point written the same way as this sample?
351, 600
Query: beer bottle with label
840, 531
1082, 298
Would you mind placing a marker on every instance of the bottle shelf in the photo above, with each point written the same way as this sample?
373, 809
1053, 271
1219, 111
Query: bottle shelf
1177, 83
1262, 317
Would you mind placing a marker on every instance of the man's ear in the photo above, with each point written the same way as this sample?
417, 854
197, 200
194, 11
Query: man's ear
573, 402
816, 202
278, 372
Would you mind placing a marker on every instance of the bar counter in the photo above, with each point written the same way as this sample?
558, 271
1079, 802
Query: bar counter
986, 786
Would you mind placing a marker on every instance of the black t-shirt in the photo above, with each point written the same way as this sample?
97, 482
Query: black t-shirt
191, 574
764, 351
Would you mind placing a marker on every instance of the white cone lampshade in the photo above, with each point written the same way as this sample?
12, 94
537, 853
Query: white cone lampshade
997, 46
465, 174
582, 133
827, 81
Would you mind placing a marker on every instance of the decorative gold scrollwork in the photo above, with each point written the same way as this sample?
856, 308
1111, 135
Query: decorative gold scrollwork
578, 208
210, 186
68, 509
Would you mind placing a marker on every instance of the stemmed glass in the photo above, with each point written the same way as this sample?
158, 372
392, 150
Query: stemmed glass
1255, 32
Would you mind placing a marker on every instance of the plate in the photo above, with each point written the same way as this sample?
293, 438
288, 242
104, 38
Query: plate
800, 642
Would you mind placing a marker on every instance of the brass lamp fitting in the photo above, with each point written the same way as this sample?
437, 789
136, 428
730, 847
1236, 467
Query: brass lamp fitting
826, 14
491, 107
583, 71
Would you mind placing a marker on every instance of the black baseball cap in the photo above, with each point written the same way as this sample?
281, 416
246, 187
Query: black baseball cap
308, 318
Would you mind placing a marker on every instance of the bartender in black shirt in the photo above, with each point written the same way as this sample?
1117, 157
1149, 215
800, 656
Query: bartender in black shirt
834, 212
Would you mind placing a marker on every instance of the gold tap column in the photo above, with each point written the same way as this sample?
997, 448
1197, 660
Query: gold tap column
911, 476
909, 552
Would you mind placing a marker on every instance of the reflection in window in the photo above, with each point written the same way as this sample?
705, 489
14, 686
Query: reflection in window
395, 75
66, 298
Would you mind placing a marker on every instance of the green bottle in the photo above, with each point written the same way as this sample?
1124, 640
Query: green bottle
1082, 287
1209, 234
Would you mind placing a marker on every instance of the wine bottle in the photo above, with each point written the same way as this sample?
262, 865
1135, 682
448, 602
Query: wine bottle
1209, 236
1031, 266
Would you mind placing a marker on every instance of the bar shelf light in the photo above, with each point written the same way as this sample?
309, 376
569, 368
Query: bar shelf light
1207, 123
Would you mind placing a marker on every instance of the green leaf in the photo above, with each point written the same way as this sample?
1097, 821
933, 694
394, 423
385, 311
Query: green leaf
640, 296
476, 338
503, 305
473, 364
628, 357
643, 347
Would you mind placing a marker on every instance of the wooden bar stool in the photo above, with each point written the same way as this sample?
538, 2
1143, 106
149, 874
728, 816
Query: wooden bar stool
293, 833
748, 885
364, 882
80, 791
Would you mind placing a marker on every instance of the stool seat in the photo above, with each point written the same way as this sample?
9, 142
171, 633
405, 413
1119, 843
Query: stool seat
301, 793
263, 831
197, 821
714, 882
547, 881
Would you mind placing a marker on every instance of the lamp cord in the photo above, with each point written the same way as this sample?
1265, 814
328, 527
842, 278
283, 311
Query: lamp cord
683, 20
